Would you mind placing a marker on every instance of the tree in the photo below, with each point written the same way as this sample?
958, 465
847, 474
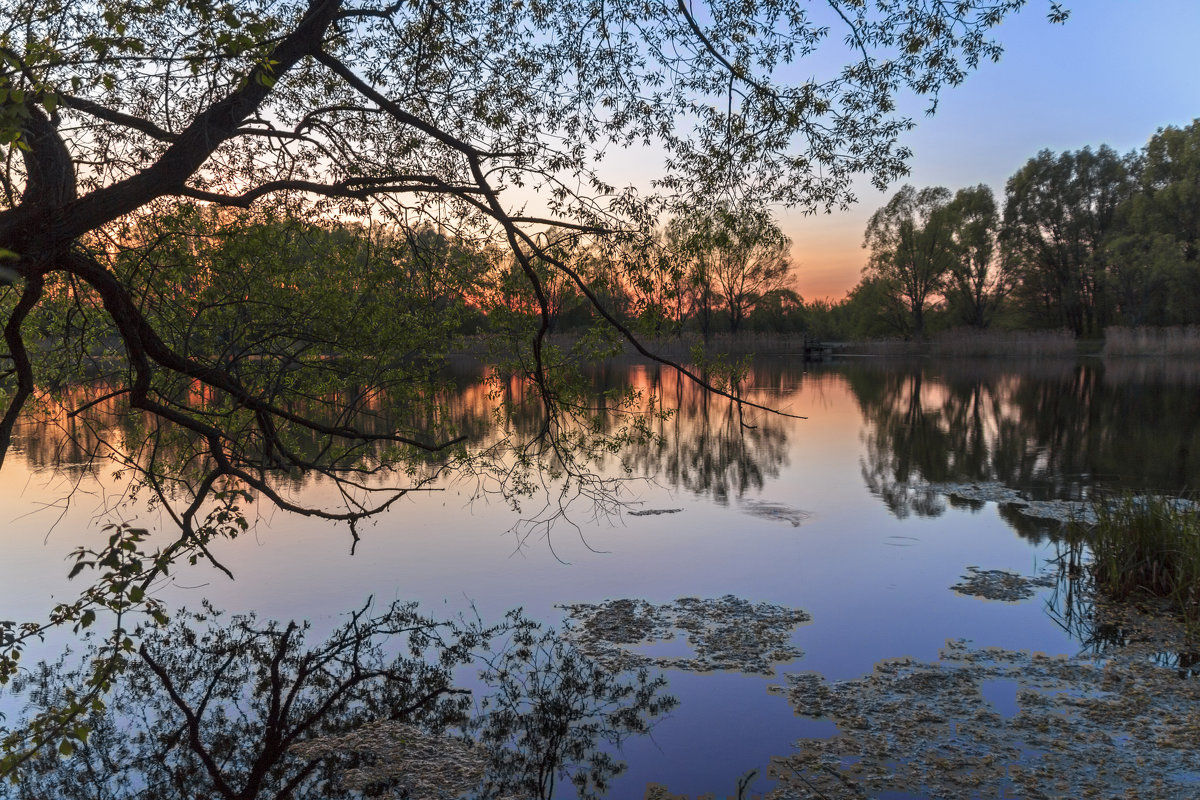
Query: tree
1155, 253
687, 241
453, 115
1058, 214
730, 257
752, 260
779, 310
979, 278
912, 248
657, 282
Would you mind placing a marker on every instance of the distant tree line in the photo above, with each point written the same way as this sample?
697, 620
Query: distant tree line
1081, 240
724, 268
1085, 239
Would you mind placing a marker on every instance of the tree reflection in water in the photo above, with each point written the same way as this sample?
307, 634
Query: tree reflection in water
1057, 429
241, 709
705, 446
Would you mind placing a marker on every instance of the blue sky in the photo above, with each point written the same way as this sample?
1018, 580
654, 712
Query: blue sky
1114, 73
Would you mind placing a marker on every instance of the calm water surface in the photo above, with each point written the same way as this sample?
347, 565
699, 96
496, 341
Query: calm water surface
872, 558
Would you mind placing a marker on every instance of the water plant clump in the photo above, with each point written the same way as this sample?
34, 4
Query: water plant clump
1069, 727
725, 633
1064, 511
998, 584
1146, 548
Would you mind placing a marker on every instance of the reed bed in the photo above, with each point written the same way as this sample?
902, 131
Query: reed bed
970, 343
1146, 548
746, 343
886, 347
1172, 341
973, 343
682, 345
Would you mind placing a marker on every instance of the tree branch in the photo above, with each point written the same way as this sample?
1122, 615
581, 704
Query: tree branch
355, 188
117, 117
30, 295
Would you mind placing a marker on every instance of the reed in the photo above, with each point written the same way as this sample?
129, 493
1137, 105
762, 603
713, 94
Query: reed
887, 347
1171, 341
971, 343
1147, 547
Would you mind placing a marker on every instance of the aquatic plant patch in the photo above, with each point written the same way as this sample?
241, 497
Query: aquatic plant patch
417, 763
1074, 727
1079, 512
654, 512
725, 633
998, 584
995, 492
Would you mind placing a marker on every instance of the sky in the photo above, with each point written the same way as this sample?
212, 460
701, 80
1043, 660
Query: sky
1113, 74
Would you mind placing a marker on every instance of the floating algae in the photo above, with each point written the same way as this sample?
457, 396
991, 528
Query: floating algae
417, 763
1082, 728
994, 492
1064, 511
997, 584
725, 633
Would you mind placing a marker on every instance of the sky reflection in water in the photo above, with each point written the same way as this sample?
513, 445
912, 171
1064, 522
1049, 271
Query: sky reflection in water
868, 552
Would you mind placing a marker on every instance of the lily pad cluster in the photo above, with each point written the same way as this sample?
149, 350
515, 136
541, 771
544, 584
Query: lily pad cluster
1081, 727
998, 584
726, 633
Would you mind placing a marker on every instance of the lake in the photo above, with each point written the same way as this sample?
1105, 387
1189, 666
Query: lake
863, 514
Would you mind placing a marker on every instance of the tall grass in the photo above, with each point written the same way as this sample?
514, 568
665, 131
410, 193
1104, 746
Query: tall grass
1148, 547
1176, 341
970, 343
974, 343
681, 345
886, 347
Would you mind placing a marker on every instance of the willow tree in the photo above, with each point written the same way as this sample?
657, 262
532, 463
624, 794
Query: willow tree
912, 249
980, 278
487, 121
